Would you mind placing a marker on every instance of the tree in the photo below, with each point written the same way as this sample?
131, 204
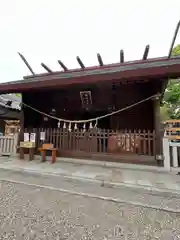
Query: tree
176, 50
171, 101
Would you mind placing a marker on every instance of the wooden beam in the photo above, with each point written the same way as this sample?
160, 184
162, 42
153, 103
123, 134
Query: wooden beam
122, 56
100, 59
146, 51
27, 64
80, 62
157, 124
46, 68
62, 65
21, 134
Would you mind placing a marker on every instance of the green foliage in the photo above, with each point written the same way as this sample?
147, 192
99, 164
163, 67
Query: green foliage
171, 101
164, 113
176, 50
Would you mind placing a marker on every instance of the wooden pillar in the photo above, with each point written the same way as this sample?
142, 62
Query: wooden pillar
21, 135
157, 127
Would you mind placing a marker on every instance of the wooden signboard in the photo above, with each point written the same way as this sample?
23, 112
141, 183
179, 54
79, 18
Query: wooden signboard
27, 144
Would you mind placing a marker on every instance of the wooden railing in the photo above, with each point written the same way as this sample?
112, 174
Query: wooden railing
99, 140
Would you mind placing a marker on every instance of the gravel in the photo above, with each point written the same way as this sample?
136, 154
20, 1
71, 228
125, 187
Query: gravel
28, 212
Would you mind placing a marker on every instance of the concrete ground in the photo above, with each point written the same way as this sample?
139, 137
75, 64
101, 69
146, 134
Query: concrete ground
114, 174
36, 206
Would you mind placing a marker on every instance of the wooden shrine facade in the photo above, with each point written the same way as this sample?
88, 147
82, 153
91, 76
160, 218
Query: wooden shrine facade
90, 92
102, 144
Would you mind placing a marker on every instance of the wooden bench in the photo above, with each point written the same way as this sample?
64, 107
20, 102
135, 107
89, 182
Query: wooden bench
48, 147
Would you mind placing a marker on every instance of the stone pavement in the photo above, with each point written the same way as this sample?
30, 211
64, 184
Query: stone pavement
150, 178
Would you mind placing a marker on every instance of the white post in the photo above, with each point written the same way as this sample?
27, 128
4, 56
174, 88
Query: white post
166, 154
1, 144
15, 143
175, 157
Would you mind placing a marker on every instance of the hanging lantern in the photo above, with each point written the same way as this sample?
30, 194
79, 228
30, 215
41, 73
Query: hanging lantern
64, 125
59, 124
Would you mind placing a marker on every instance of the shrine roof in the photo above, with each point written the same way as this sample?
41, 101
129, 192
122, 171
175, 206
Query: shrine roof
154, 68
157, 68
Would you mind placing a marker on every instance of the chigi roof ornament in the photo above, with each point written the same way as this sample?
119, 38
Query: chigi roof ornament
100, 60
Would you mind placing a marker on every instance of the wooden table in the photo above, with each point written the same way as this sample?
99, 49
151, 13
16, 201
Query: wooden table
31, 153
27, 145
43, 154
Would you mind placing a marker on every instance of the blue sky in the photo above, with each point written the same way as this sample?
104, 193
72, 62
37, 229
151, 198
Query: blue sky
48, 30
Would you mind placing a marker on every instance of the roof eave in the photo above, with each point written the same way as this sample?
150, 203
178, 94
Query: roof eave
106, 66
163, 70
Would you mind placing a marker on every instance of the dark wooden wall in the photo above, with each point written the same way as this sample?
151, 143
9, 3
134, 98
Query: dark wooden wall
105, 99
138, 117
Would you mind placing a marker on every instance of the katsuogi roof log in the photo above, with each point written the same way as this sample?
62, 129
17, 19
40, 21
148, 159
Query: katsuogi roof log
80, 62
146, 51
122, 56
62, 65
46, 68
100, 59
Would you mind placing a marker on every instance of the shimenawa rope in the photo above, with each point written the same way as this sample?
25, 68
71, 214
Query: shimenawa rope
92, 119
